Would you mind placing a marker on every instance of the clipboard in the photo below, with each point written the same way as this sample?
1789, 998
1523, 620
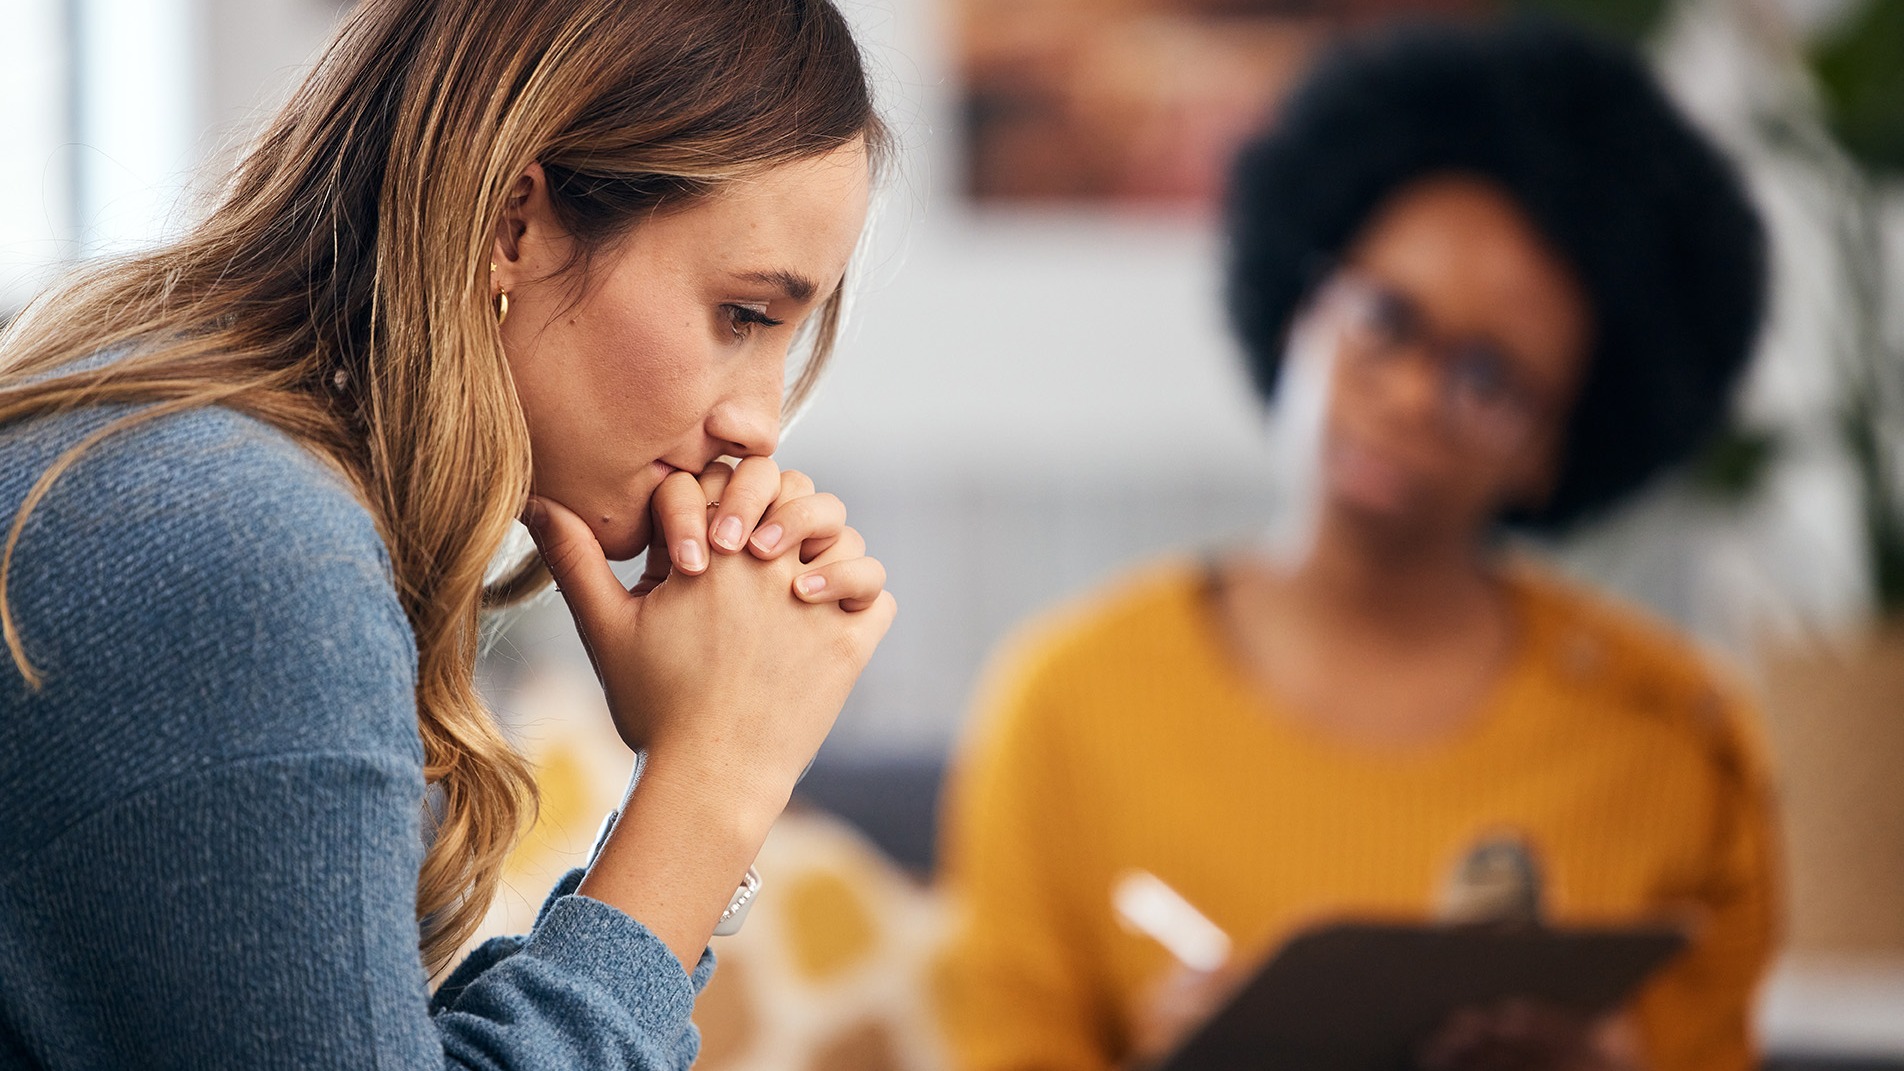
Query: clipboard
1358, 996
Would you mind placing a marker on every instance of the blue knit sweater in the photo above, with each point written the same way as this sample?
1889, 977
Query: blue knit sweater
212, 809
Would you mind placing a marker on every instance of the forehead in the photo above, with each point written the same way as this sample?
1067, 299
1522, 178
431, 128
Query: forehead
804, 216
1470, 256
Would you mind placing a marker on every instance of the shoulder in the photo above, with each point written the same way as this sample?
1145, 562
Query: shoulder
147, 469
202, 579
1629, 662
141, 466
209, 504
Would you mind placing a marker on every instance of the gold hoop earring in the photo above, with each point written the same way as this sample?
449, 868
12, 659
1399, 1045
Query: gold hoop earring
502, 298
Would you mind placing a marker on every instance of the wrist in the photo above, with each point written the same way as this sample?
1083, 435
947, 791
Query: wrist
677, 852
728, 799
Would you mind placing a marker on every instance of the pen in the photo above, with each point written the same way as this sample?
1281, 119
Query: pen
1148, 906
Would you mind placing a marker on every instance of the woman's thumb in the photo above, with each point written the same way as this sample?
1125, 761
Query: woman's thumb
575, 559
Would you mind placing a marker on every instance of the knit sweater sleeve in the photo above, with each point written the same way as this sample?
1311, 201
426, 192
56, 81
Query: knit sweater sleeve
215, 797
1698, 1012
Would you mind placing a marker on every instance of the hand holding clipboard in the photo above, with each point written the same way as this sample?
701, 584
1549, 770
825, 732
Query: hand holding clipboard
1371, 995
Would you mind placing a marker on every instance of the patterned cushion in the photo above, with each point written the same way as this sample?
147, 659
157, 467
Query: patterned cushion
829, 970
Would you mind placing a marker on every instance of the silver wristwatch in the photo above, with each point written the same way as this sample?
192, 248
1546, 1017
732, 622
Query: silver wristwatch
737, 906
736, 912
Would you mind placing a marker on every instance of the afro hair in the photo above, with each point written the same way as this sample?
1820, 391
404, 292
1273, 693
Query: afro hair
1651, 217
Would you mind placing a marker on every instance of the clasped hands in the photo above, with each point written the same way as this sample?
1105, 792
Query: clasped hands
756, 611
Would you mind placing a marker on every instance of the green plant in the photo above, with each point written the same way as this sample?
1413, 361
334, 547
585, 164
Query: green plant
1733, 465
1859, 67
1856, 131
1859, 70
1629, 20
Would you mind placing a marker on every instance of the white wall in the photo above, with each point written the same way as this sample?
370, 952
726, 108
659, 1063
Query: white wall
1005, 342
121, 113
257, 52
35, 186
137, 119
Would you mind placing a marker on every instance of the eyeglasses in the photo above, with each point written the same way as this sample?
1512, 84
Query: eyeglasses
1484, 397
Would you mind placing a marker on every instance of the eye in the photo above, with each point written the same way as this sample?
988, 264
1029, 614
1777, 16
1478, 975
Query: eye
742, 319
1482, 375
1383, 318
1390, 316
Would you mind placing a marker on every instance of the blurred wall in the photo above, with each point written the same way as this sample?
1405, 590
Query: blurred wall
260, 50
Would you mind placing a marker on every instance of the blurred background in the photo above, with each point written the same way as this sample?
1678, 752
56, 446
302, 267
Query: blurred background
1037, 390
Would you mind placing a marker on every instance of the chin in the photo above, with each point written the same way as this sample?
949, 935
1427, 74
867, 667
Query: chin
1378, 508
616, 514
1371, 515
619, 542
1374, 499
1371, 483
1390, 523
622, 535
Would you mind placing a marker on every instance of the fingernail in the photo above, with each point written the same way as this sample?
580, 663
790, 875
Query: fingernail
810, 584
692, 556
727, 533
768, 538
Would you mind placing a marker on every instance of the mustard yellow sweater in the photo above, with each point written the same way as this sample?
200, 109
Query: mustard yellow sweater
1119, 736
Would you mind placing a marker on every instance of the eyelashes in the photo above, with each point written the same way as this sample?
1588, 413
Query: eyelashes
743, 319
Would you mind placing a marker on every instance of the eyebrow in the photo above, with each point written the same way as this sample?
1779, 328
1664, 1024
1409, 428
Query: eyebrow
796, 286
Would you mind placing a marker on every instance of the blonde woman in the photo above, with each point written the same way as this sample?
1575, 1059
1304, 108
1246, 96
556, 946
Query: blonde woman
493, 261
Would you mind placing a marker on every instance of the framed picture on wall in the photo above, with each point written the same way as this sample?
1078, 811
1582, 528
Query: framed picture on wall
1133, 103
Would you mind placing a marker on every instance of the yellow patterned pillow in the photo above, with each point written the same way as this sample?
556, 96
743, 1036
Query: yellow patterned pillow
830, 969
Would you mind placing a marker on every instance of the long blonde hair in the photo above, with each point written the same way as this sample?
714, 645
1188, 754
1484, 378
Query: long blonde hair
339, 291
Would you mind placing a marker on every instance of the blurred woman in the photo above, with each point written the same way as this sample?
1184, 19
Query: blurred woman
1504, 284
493, 260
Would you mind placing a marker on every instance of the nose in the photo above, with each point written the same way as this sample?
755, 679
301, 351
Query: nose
747, 418
1410, 384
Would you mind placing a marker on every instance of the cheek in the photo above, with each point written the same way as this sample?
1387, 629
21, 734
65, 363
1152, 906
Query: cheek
608, 388
642, 374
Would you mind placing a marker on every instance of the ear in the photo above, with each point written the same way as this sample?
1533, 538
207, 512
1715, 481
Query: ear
527, 225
